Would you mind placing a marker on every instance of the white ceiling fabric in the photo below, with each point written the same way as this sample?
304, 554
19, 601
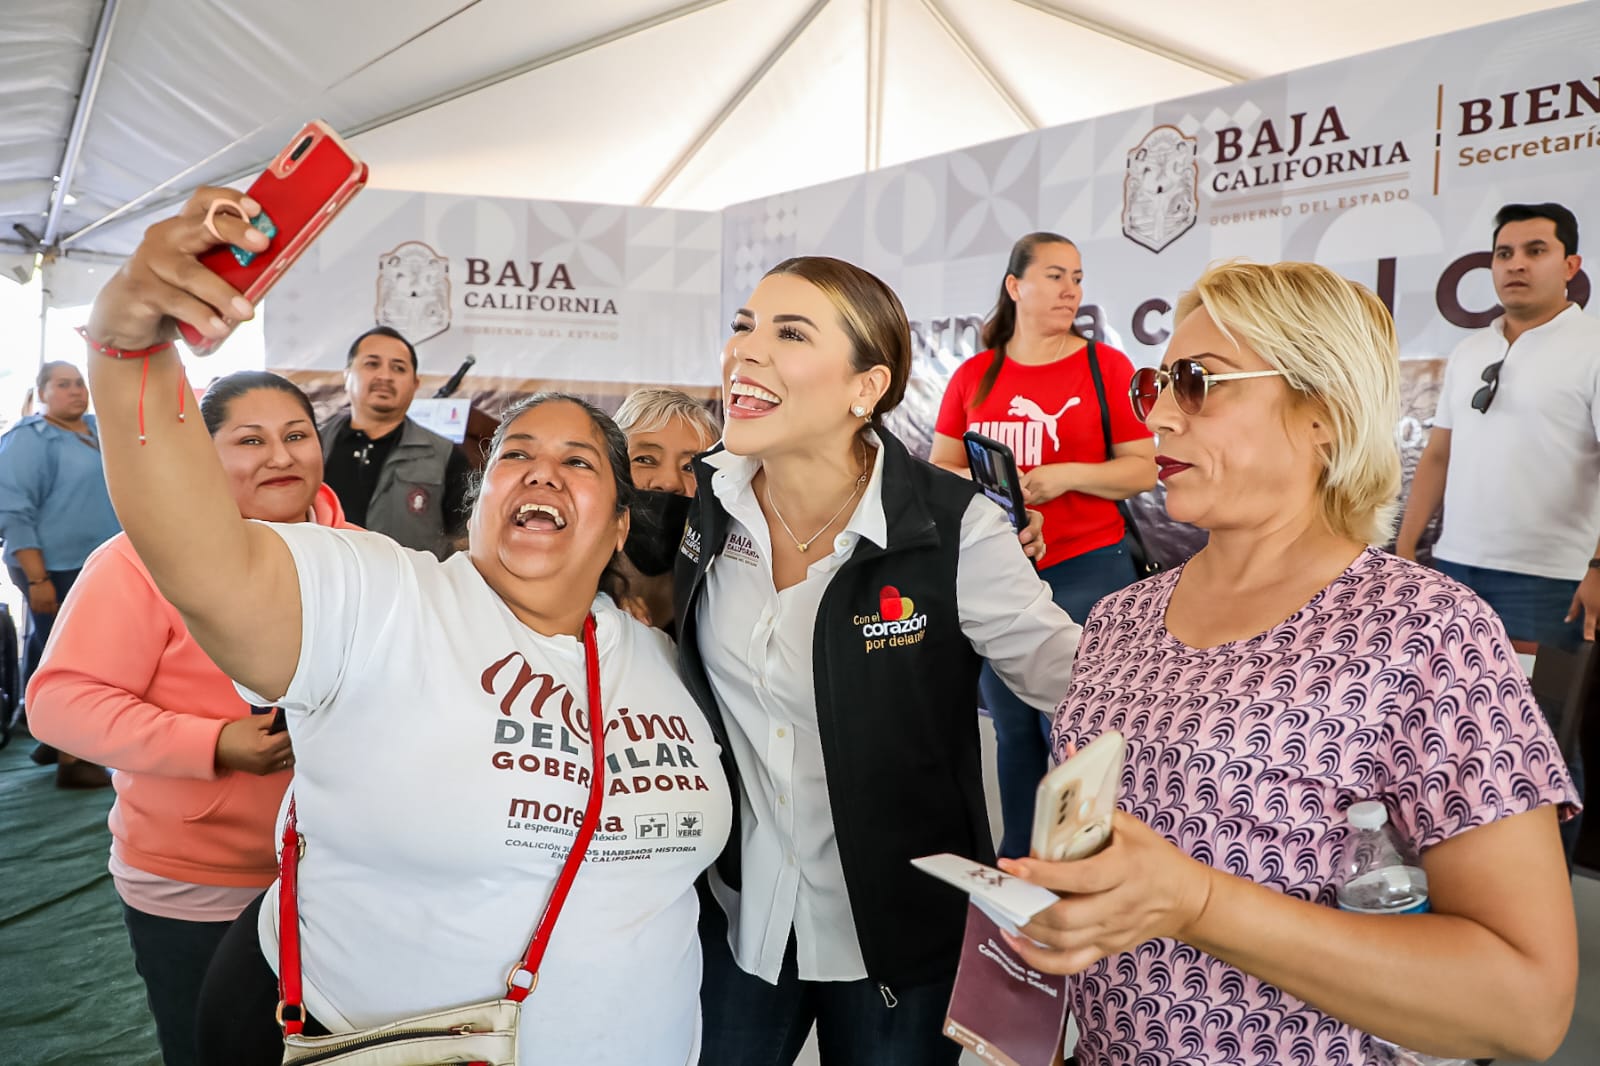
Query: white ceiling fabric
680, 104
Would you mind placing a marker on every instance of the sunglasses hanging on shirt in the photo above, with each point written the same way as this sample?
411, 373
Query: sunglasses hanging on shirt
1491, 386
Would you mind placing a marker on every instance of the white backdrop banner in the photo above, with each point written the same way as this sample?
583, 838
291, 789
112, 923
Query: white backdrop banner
592, 297
1386, 167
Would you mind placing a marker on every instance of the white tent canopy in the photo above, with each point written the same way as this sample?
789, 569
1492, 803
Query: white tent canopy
114, 109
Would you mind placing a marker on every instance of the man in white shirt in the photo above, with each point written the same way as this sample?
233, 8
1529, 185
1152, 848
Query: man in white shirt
1514, 454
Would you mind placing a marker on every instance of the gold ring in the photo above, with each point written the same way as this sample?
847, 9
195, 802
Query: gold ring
221, 204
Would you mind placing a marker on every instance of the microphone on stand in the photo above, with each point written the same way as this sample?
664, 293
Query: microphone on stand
449, 387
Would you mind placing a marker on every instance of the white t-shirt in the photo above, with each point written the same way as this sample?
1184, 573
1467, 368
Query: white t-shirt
1523, 489
441, 767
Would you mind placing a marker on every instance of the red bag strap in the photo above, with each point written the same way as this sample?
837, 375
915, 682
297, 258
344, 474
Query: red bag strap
524, 976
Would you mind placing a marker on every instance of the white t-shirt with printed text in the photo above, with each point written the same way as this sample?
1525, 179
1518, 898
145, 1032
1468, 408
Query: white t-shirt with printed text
1523, 489
442, 767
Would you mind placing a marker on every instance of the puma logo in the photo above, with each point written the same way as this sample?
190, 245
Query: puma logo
1021, 405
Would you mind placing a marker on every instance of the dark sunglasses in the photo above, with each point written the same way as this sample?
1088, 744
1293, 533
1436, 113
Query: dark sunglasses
1491, 386
1189, 382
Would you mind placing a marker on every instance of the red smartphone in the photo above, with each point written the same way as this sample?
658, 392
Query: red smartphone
302, 191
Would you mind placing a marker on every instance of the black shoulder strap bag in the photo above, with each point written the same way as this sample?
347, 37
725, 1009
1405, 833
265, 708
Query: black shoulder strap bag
1145, 561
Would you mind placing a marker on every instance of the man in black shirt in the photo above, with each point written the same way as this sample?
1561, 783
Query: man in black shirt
392, 475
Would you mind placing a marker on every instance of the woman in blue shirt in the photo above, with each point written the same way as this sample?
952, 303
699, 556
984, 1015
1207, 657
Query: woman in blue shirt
54, 509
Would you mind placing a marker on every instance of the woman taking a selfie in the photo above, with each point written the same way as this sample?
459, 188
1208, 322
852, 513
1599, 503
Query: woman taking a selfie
1286, 672
836, 642
440, 713
199, 777
1035, 390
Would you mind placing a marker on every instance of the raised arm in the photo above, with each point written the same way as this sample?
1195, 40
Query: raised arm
233, 581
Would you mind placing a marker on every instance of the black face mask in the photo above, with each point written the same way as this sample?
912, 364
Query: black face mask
657, 525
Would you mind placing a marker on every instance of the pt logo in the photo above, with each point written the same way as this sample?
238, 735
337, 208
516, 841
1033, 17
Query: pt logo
651, 826
894, 606
1021, 405
690, 824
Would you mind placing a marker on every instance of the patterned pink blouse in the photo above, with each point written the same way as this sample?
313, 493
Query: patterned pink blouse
1393, 683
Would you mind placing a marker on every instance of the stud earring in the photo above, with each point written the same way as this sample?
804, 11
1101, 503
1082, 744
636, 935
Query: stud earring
859, 411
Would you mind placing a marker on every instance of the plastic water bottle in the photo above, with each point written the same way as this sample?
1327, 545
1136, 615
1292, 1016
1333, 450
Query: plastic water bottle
1379, 873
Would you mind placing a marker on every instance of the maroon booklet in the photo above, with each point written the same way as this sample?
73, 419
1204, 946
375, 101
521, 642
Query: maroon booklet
1002, 1010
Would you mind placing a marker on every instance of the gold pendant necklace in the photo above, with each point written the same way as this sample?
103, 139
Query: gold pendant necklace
804, 545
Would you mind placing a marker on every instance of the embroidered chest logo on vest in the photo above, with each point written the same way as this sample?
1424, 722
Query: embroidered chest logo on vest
895, 624
690, 544
417, 500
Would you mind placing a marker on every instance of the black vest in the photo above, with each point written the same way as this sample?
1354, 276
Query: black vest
896, 691
407, 503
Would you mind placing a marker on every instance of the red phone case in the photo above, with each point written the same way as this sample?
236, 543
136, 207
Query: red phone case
302, 191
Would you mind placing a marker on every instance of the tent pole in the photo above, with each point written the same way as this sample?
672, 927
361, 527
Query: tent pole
80, 120
44, 316
875, 63
983, 67
1144, 44
687, 155
140, 205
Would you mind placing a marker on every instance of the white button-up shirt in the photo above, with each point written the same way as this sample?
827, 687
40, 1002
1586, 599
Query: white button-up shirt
756, 644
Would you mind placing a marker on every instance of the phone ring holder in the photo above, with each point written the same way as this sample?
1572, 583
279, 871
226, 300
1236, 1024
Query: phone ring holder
222, 204
243, 256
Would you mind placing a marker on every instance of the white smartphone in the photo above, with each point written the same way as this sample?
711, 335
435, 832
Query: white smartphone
1073, 808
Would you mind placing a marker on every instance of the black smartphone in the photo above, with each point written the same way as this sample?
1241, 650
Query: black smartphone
994, 468
278, 724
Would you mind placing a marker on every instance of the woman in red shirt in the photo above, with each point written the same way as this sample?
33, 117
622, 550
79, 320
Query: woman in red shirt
1033, 389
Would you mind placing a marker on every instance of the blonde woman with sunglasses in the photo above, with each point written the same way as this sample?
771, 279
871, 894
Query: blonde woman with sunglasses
1287, 671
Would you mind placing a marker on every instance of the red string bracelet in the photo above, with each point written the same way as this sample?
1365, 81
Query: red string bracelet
122, 353
144, 376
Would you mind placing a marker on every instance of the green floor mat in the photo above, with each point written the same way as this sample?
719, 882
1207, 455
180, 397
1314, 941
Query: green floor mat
68, 990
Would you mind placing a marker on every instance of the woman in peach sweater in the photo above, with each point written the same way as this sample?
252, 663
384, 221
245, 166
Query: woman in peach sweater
199, 776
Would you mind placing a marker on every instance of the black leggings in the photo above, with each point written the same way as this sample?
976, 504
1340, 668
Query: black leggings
236, 1021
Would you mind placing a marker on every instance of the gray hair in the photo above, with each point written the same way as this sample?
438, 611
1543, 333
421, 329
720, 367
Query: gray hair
649, 409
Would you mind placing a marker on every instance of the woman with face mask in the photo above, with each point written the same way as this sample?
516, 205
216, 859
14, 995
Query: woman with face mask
471, 736
54, 511
666, 429
199, 776
1035, 390
836, 642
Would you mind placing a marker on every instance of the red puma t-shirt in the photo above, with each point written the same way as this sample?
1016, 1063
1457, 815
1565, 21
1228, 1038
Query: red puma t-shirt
1048, 414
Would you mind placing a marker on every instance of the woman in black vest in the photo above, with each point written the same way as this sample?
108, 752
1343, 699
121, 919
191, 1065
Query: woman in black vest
835, 645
